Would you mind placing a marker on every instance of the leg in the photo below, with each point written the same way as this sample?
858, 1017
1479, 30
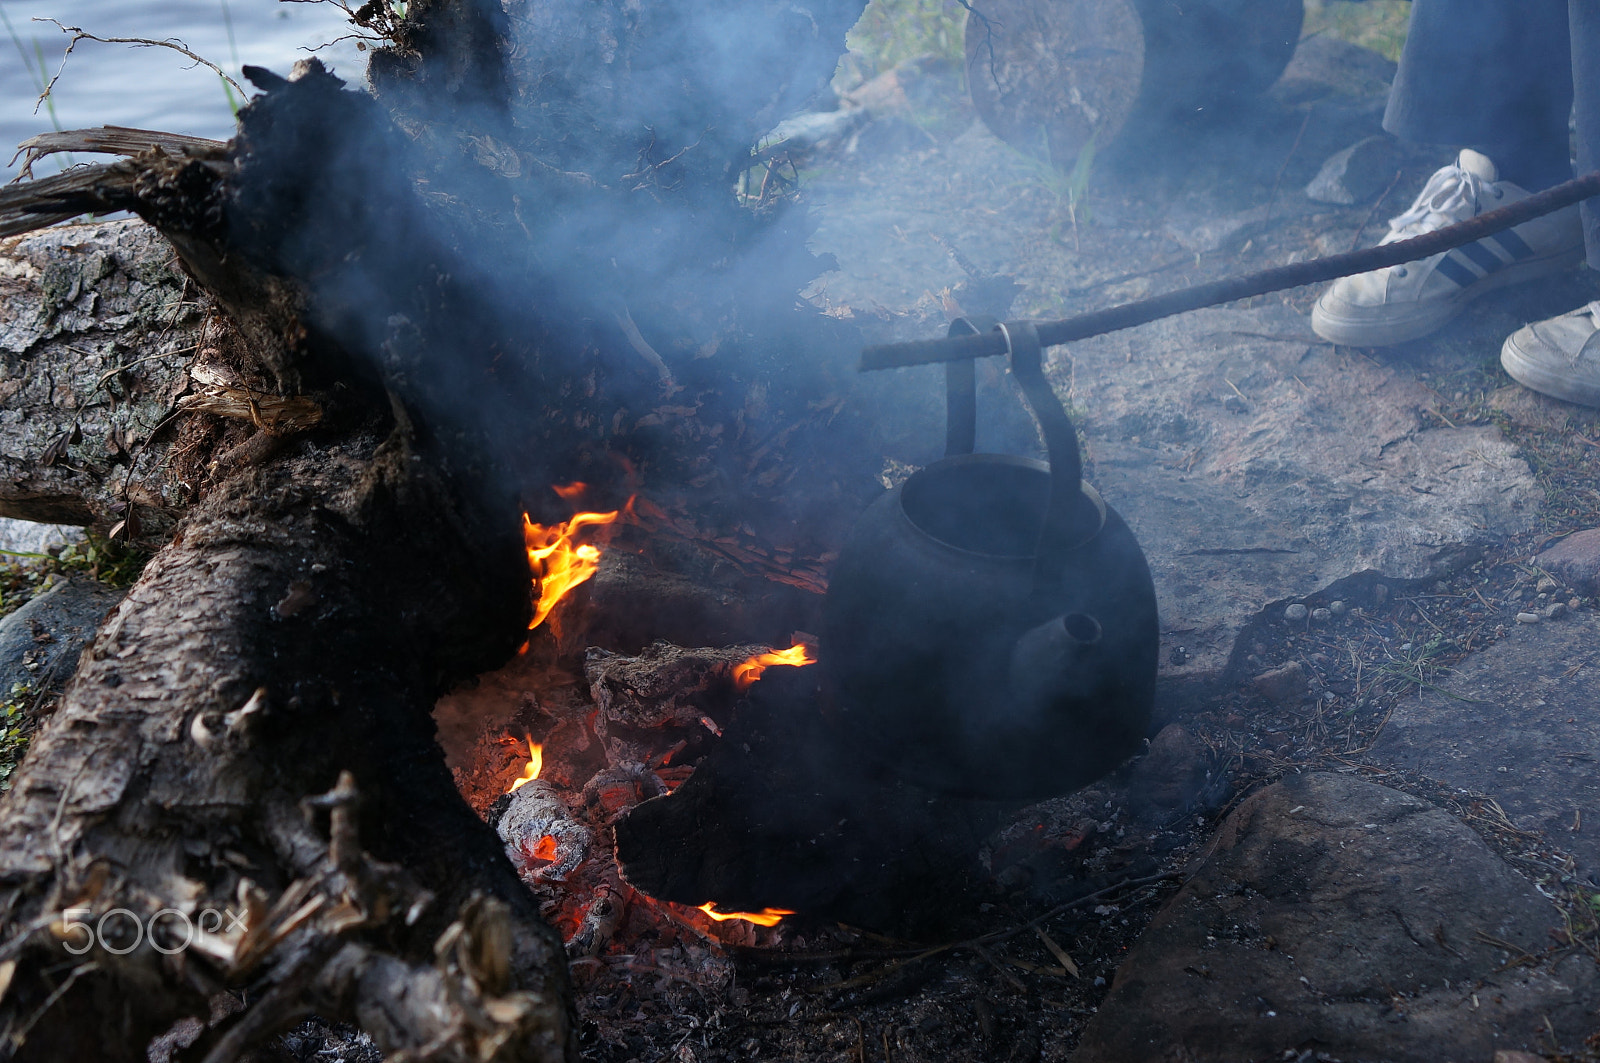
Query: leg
1497, 75
1492, 74
1585, 34
1561, 356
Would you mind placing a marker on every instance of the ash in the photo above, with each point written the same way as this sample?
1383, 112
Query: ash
319, 1041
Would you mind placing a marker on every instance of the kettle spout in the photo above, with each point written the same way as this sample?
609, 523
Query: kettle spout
1049, 662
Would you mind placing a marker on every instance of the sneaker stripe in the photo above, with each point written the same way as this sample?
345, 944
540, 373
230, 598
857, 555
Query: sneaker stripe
1512, 244
1482, 257
1454, 270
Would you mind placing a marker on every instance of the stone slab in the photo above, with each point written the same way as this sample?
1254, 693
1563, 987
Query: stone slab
1337, 916
1517, 722
1257, 463
40, 642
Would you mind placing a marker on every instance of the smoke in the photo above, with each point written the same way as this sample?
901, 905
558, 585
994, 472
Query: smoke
530, 230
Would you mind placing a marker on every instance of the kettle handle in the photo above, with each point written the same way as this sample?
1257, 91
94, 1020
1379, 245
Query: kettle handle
1072, 517
961, 390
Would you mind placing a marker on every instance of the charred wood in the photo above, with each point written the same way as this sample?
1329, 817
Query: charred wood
783, 813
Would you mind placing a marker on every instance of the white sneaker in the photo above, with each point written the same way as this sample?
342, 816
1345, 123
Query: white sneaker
1404, 302
1559, 357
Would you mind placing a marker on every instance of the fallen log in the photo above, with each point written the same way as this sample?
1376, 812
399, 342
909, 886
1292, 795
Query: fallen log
247, 669
240, 789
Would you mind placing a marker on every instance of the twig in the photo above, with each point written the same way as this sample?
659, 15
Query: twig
118, 370
1355, 241
1422, 613
1057, 951
642, 348
78, 34
976, 944
1522, 956
988, 957
969, 267
1272, 198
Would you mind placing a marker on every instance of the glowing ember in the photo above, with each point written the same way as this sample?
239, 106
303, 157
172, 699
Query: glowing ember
531, 772
558, 561
545, 848
765, 917
747, 672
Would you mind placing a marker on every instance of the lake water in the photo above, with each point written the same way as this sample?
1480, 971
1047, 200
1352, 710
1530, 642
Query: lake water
152, 88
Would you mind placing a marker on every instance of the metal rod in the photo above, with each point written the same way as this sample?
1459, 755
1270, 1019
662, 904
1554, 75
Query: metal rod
1229, 289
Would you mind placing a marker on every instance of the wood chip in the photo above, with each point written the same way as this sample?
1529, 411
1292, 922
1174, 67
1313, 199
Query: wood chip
1058, 952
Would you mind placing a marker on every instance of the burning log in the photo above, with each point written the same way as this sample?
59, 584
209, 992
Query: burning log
666, 686
615, 790
784, 815
542, 839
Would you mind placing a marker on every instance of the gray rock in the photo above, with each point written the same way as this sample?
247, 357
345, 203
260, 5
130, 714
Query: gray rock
1525, 704
1575, 560
1282, 684
1325, 66
1341, 915
1528, 618
1295, 613
1337, 608
1358, 174
1170, 776
1555, 610
40, 643
1321, 614
28, 537
1313, 484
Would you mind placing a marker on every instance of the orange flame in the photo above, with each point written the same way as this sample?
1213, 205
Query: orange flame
765, 917
558, 562
534, 767
572, 491
748, 671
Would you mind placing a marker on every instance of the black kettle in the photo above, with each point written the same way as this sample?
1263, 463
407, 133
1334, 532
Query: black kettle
990, 625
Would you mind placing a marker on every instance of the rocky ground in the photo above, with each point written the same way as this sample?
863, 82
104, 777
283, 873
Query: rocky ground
1361, 833
1378, 627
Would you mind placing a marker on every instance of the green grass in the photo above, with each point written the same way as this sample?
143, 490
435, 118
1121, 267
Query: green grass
894, 30
15, 731
1376, 24
891, 31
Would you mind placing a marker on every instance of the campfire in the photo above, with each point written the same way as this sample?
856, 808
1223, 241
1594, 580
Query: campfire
586, 742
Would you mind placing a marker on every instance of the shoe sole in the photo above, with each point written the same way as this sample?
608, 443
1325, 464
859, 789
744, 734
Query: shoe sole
1427, 318
1522, 367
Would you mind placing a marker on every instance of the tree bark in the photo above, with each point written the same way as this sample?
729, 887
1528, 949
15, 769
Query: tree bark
97, 325
269, 650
